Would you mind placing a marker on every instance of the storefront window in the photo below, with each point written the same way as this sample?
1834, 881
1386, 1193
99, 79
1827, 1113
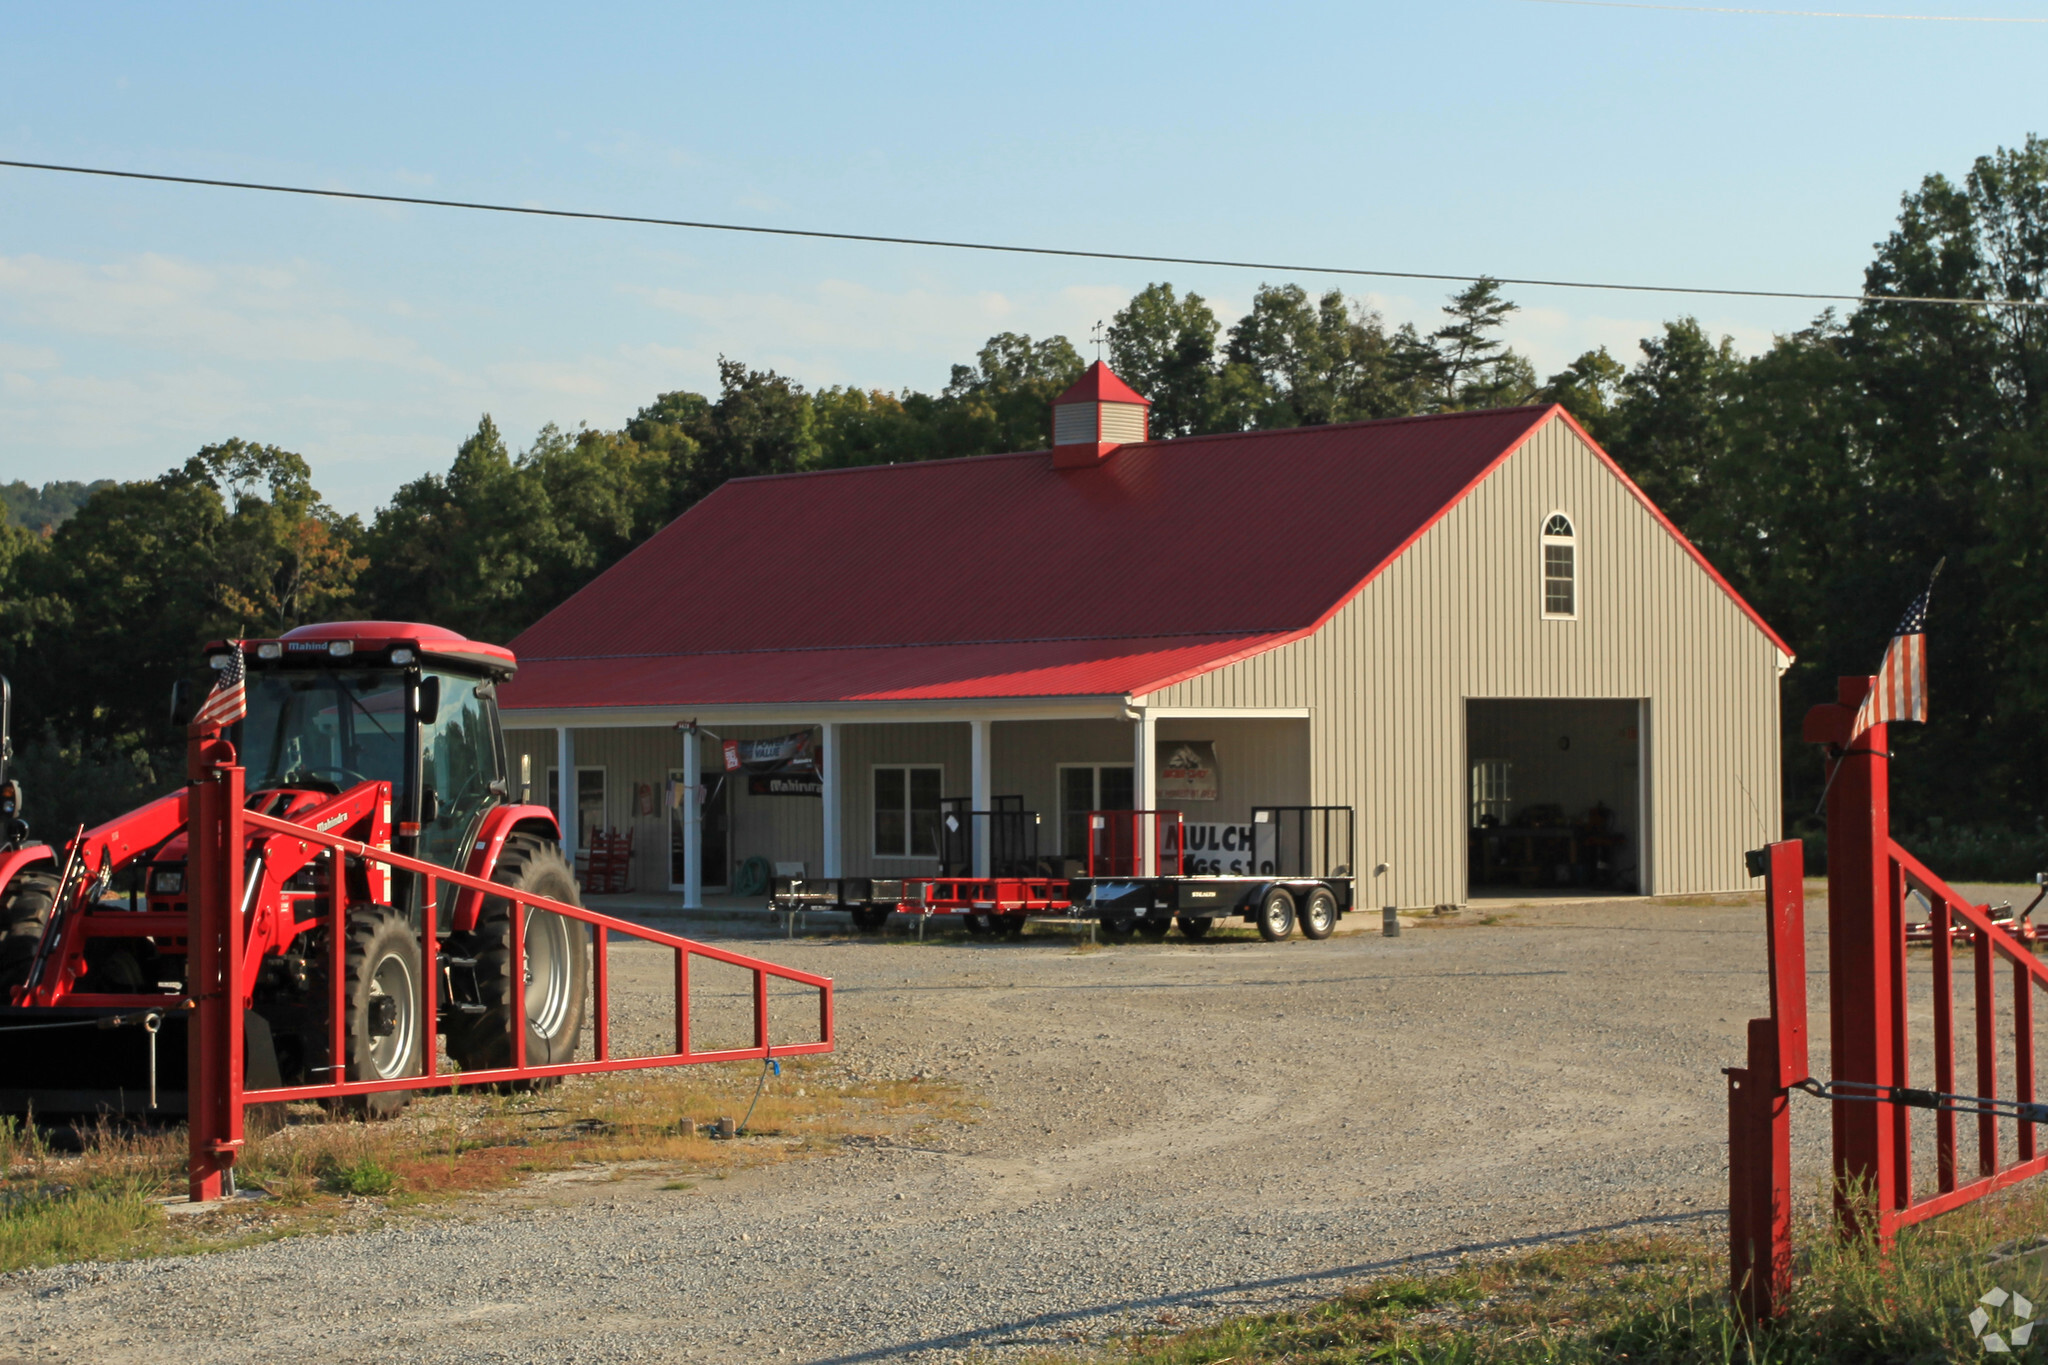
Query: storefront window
907, 811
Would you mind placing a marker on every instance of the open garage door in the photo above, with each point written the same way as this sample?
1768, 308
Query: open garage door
1555, 795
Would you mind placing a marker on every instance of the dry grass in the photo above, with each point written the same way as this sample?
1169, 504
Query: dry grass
107, 1200
1658, 1299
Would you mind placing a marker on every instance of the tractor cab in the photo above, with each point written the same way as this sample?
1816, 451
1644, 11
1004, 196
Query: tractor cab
335, 705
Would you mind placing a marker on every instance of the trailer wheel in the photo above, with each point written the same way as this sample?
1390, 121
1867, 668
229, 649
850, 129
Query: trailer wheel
1194, 926
1276, 915
1319, 915
1154, 929
24, 910
1013, 926
381, 997
978, 926
869, 921
557, 955
1117, 928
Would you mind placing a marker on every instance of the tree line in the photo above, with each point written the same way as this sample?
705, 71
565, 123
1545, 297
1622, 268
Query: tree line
1824, 476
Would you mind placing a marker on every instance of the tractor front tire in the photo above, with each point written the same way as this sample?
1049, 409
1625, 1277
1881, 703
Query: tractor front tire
24, 910
557, 953
381, 993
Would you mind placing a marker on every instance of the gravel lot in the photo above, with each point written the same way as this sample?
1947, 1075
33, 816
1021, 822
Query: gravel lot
1169, 1132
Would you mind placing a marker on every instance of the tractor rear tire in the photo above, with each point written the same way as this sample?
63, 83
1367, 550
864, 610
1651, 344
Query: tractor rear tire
381, 992
1276, 915
24, 910
557, 952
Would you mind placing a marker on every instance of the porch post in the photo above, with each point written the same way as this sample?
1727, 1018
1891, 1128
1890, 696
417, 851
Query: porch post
982, 794
1145, 791
693, 821
565, 791
829, 791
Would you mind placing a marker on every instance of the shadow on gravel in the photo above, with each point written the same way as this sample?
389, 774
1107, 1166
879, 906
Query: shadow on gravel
1001, 1334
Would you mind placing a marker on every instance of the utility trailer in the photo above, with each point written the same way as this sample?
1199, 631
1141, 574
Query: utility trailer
1301, 872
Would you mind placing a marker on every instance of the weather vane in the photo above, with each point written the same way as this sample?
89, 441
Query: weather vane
1096, 336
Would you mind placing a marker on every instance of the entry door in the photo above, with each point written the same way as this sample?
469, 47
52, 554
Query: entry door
714, 833
1085, 787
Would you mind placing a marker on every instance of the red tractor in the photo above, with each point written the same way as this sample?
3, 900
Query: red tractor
384, 732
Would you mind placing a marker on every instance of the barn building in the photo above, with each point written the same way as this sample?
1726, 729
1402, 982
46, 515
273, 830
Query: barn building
1473, 628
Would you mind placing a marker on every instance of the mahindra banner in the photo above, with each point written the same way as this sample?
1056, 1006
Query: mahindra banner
1187, 770
780, 754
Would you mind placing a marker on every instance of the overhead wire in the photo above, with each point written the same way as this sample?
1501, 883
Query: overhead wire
1010, 248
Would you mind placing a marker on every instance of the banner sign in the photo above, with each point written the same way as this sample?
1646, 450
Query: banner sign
1221, 850
1187, 770
786, 784
783, 753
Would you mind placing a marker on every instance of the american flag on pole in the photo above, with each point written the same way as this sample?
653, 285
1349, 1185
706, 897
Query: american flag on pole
229, 700
1901, 691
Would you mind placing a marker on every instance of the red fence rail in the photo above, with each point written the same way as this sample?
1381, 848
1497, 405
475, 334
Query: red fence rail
219, 830
1869, 878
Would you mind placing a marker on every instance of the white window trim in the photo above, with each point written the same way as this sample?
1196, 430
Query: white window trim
1094, 788
1576, 542
906, 769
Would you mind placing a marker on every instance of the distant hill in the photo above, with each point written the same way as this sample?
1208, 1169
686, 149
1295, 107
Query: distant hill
44, 509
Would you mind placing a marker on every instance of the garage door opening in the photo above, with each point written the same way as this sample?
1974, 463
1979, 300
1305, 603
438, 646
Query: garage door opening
1555, 795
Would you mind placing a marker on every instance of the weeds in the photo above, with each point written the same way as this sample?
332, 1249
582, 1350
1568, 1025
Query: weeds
105, 1200
1658, 1299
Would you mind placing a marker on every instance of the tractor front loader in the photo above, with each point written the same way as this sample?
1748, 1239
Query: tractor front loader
379, 736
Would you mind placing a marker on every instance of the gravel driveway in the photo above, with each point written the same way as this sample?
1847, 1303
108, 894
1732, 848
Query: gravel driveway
1169, 1132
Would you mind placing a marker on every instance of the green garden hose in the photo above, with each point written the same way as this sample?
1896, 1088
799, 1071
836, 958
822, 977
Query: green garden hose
752, 879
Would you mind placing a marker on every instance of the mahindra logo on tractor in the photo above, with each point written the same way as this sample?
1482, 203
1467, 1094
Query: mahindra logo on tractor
331, 821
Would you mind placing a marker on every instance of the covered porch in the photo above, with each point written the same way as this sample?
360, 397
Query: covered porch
870, 805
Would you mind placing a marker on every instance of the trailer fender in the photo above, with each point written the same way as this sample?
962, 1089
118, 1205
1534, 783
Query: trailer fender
499, 825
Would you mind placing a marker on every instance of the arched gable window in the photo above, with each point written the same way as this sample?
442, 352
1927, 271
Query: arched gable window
1560, 567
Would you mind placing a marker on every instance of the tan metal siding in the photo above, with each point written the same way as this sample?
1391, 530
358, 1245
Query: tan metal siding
1460, 616
948, 745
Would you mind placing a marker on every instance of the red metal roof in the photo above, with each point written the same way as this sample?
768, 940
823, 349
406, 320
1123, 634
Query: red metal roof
1001, 576
1099, 384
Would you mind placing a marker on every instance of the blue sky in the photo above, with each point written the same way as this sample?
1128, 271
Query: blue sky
138, 322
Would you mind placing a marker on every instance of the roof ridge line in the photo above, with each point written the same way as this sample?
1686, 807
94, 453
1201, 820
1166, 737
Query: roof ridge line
913, 644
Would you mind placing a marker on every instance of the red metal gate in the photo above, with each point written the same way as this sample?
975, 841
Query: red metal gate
1869, 878
219, 829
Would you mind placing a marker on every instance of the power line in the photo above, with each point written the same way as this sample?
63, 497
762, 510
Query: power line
1792, 13
1010, 248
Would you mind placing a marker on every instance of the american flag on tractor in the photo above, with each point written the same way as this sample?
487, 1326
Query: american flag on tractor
1901, 691
229, 700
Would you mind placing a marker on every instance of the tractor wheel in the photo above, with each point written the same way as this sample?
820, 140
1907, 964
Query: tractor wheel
1192, 926
1276, 915
1319, 915
381, 992
1154, 929
557, 954
24, 910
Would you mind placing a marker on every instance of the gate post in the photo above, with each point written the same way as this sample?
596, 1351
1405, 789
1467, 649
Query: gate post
1759, 1181
214, 969
1862, 960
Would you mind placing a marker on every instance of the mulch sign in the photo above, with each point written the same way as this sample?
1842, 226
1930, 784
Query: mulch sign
1187, 770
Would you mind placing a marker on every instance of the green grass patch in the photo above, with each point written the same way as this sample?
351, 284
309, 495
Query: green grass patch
364, 1176
1656, 1299
53, 1226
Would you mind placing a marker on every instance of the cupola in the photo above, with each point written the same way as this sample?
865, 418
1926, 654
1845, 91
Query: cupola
1091, 419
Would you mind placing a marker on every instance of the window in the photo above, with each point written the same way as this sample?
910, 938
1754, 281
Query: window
1560, 567
590, 812
1090, 786
907, 811
1490, 796
458, 765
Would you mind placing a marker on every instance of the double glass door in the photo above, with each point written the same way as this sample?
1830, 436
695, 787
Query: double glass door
713, 834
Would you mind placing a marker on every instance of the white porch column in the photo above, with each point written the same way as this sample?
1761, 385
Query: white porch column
983, 793
1145, 790
832, 794
693, 821
565, 790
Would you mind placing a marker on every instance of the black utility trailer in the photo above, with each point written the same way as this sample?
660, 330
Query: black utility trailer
1301, 872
